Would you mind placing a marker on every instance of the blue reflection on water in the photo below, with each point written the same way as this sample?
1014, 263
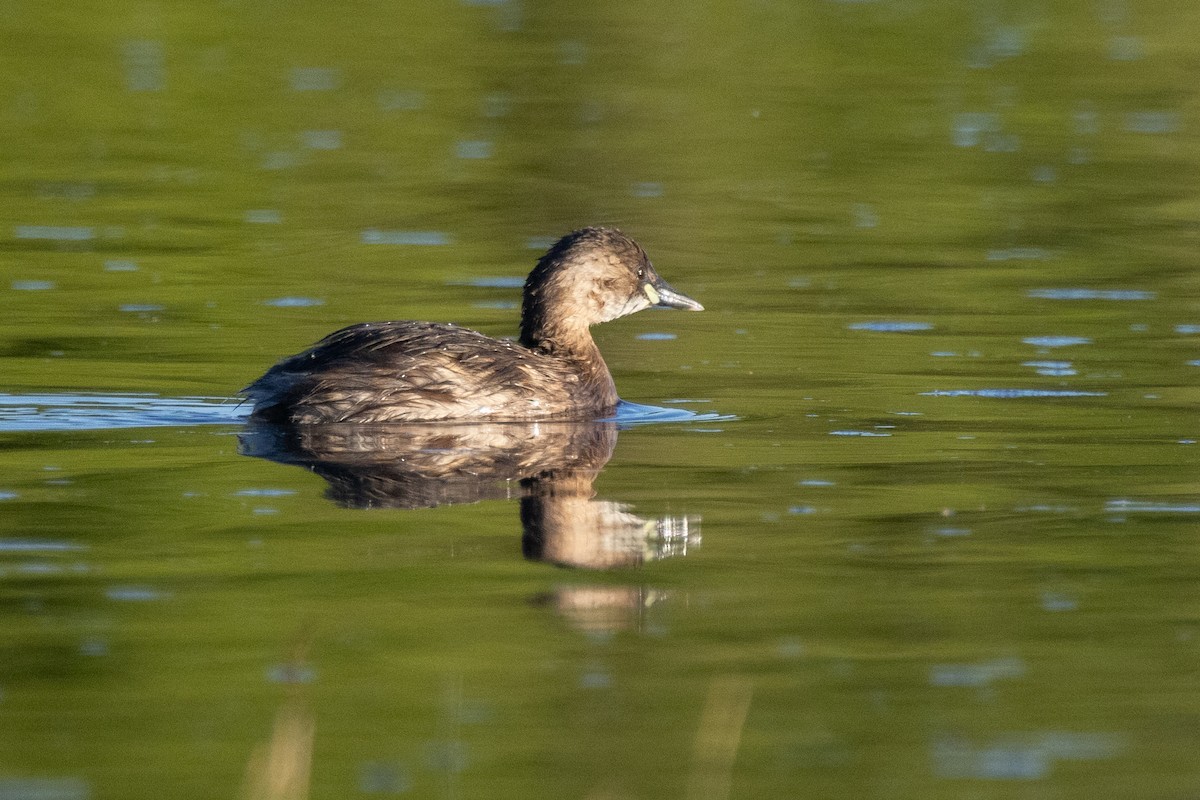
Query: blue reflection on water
37, 546
136, 594
890, 326
1092, 294
59, 412
294, 302
44, 789
473, 149
975, 675
1056, 341
1019, 757
1017, 254
79, 412
1011, 394
315, 79
321, 140
426, 238
145, 65
492, 282
638, 414
1152, 122
1151, 507
867, 434
1051, 368
263, 216
69, 233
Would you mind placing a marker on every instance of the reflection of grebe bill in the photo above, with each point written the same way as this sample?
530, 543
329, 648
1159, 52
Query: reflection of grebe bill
601, 608
600, 534
550, 466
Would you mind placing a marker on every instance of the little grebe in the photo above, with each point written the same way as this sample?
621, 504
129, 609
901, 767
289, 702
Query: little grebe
414, 371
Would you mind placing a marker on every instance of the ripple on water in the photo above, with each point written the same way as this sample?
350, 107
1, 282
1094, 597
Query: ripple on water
638, 414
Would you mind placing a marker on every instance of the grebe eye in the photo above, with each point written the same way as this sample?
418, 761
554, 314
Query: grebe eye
641, 272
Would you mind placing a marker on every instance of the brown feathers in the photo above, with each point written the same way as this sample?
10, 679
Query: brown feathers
415, 371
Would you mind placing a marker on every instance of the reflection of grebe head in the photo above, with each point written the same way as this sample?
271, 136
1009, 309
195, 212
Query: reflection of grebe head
574, 530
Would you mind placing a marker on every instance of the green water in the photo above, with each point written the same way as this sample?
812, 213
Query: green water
942, 543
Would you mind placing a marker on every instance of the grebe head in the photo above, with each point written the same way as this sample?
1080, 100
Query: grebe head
590, 276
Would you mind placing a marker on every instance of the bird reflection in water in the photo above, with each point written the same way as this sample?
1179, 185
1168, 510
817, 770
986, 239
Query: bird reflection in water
549, 466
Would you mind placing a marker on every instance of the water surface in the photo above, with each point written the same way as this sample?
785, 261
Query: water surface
910, 511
